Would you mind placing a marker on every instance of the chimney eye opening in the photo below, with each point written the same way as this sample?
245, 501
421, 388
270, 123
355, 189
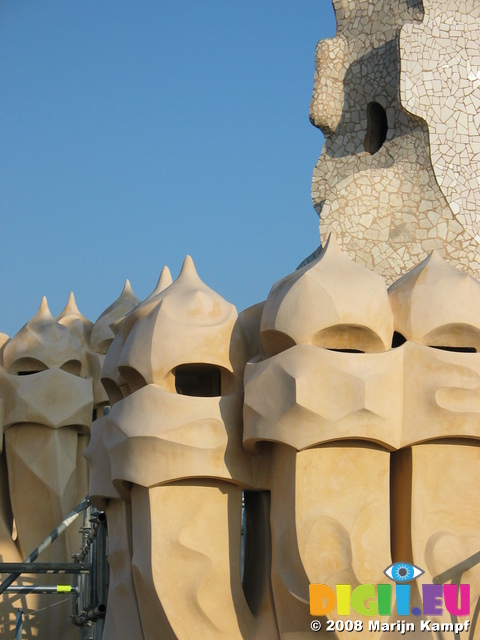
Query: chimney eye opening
377, 128
198, 380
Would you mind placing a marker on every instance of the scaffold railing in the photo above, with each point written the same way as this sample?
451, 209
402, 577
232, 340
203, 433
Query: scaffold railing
89, 570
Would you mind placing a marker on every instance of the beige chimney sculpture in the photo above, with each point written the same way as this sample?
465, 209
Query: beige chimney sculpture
174, 444
48, 401
324, 397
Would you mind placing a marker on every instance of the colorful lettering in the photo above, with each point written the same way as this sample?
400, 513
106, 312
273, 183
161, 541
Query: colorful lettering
343, 599
322, 599
450, 593
384, 599
402, 592
432, 599
363, 594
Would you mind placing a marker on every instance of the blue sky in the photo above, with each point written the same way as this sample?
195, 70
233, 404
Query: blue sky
133, 133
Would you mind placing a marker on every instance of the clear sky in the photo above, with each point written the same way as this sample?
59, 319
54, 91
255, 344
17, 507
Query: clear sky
135, 132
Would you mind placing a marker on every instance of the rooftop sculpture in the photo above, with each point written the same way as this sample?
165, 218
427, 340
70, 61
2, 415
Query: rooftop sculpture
398, 171
344, 410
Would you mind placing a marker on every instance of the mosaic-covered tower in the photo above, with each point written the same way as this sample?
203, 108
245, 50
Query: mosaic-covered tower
396, 95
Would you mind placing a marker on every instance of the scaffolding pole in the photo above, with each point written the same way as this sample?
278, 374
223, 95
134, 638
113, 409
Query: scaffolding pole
90, 571
59, 588
19, 625
44, 567
48, 541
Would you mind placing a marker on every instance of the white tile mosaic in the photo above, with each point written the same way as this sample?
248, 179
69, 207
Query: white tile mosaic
397, 95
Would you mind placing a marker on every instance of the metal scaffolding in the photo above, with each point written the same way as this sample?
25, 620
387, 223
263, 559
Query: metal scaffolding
89, 569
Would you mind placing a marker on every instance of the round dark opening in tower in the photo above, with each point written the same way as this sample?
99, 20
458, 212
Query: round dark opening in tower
377, 127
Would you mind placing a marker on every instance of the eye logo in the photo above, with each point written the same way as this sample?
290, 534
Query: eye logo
371, 600
403, 572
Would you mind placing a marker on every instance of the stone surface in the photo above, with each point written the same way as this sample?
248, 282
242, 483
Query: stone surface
374, 184
331, 302
445, 517
345, 416
50, 385
440, 82
337, 429
437, 305
173, 449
